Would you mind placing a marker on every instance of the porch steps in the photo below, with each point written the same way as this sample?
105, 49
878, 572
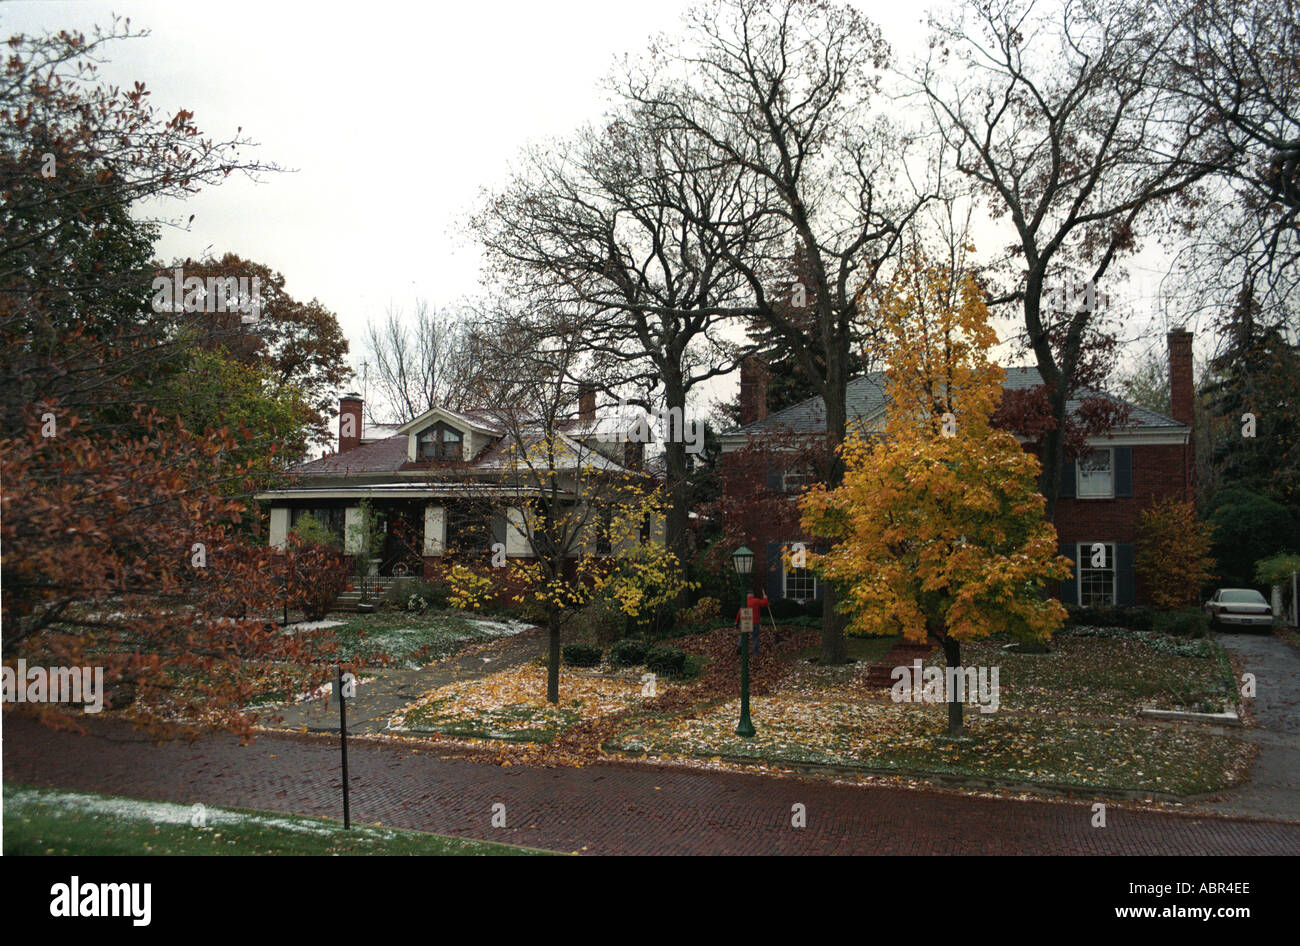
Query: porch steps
377, 586
880, 675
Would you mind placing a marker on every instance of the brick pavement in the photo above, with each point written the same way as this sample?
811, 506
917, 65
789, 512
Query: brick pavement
614, 808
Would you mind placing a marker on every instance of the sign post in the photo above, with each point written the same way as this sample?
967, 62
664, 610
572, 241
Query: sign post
746, 727
343, 743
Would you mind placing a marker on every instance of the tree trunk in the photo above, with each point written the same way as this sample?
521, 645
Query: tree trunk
952, 657
834, 649
553, 663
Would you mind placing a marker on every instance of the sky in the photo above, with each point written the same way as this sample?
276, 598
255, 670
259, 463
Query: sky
396, 118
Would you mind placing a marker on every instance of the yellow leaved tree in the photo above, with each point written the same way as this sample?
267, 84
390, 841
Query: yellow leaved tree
937, 530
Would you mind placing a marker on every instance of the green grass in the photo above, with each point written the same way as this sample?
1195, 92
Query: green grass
863, 650
54, 821
516, 723
1066, 718
403, 639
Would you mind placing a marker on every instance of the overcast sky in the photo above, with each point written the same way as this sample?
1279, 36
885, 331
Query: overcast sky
395, 116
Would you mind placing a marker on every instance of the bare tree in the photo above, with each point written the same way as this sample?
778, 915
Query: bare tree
782, 94
1066, 119
1241, 63
422, 362
607, 221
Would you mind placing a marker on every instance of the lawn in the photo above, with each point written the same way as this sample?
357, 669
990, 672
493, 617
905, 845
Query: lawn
405, 639
511, 705
53, 821
1065, 718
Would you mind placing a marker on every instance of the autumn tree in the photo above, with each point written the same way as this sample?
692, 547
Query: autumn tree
1173, 553
82, 168
297, 348
592, 527
122, 542
938, 529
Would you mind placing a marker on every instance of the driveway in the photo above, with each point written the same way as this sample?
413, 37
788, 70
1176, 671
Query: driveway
1274, 787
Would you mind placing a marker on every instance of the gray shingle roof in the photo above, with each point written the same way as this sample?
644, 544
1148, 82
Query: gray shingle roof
865, 397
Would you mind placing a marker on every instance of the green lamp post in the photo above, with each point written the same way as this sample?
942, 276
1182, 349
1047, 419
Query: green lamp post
743, 560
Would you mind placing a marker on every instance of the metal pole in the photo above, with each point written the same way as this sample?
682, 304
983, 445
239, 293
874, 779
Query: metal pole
343, 742
746, 727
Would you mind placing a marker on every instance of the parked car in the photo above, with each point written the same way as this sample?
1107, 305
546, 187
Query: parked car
1239, 607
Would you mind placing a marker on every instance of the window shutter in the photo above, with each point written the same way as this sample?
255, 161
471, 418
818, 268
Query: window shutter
1070, 586
1066, 490
774, 479
1124, 591
1123, 472
773, 588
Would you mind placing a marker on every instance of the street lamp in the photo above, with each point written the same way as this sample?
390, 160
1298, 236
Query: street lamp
743, 560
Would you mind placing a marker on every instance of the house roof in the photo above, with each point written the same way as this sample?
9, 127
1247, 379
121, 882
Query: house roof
865, 398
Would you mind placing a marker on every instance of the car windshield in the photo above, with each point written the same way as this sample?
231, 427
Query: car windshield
1239, 596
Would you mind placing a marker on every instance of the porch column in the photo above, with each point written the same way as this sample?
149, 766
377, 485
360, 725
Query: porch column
279, 527
517, 532
352, 538
435, 530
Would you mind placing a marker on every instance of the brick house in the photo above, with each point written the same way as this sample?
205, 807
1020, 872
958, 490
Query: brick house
1101, 494
443, 482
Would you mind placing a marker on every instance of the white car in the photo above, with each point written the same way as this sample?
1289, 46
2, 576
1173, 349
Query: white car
1239, 607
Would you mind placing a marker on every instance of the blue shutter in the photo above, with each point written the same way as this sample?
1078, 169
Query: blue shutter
1123, 472
1124, 592
1069, 593
1066, 490
774, 479
773, 588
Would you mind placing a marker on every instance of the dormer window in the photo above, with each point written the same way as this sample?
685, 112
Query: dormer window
440, 442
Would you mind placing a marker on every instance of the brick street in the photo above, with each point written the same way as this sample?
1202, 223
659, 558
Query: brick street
609, 808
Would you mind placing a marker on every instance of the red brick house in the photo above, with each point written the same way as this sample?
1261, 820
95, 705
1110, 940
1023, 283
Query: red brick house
1101, 494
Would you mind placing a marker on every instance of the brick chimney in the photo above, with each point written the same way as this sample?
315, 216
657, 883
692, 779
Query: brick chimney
1181, 391
753, 391
349, 422
586, 403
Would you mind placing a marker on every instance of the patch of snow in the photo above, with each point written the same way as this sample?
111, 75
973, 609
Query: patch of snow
161, 812
499, 628
315, 625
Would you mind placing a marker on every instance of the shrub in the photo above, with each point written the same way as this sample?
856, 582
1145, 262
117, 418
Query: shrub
314, 532
401, 593
317, 575
581, 655
629, 652
1138, 619
602, 621
1173, 553
666, 661
1186, 623
704, 611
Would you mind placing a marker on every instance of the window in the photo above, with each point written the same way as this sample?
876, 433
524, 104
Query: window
440, 442
800, 584
1097, 475
795, 482
1096, 574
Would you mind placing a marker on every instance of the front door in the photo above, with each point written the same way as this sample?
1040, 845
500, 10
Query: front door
403, 541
